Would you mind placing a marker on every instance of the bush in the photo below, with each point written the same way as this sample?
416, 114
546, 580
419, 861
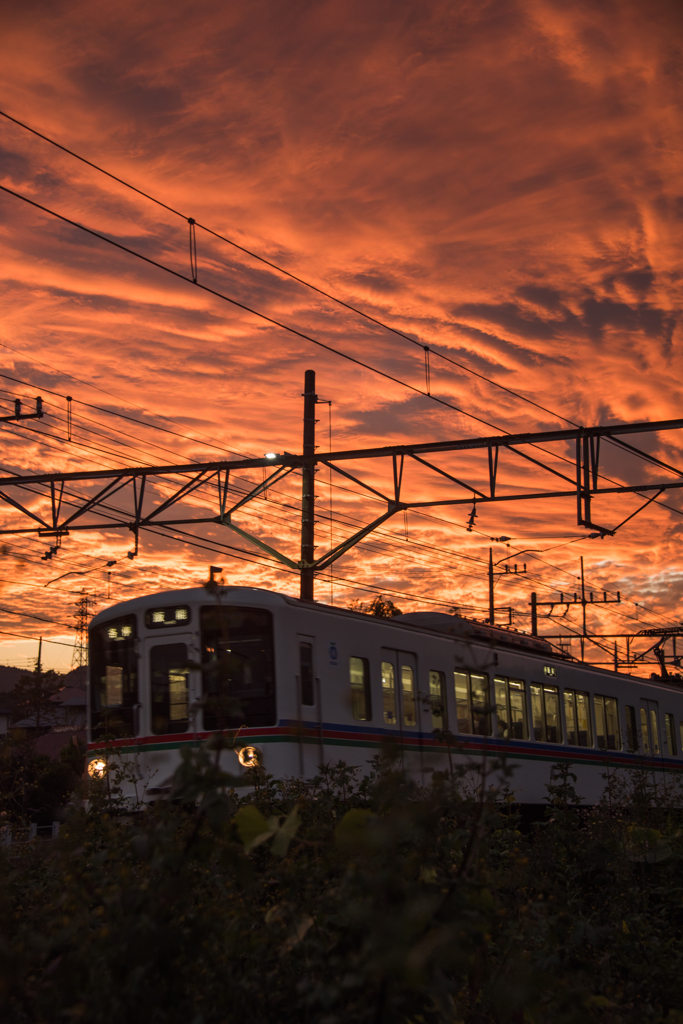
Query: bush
349, 899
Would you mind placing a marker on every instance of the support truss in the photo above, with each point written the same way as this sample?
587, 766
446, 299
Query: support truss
70, 513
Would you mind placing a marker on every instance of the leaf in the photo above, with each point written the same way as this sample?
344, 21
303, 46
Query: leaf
351, 830
252, 827
286, 832
298, 934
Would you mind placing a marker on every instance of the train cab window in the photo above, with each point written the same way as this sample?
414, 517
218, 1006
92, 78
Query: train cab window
437, 699
607, 723
168, 671
545, 713
306, 674
389, 692
577, 718
511, 708
632, 729
670, 726
113, 678
472, 703
408, 695
238, 666
359, 675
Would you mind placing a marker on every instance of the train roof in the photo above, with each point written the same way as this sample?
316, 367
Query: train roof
435, 622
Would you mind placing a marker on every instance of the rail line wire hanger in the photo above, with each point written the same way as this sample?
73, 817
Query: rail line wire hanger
19, 415
70, 511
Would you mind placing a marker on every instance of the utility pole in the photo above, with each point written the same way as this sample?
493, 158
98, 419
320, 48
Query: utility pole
82, 616
308, 490
566, 603
507, 572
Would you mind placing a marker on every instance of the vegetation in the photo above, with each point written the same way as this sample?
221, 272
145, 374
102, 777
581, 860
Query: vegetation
380, 606
348, 899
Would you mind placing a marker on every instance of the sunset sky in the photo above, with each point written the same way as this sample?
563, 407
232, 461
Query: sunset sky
501, 181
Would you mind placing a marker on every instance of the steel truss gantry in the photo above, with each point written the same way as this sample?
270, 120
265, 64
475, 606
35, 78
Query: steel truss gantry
49, 506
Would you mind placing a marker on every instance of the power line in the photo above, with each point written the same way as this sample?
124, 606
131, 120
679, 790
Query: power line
287, 273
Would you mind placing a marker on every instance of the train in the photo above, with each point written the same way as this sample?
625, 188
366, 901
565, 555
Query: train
300, 684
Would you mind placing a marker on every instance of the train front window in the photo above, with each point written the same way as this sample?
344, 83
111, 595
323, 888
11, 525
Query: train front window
168, 671
113, 678
238, 667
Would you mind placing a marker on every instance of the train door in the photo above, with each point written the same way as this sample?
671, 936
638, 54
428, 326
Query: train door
310, 738
649, 726
170, 697
400, 705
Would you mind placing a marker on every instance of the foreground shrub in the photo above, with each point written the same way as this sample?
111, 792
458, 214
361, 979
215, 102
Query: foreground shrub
349, 899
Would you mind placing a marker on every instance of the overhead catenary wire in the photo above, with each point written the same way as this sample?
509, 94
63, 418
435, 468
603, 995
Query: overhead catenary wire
301, 334
300, 280
361, 313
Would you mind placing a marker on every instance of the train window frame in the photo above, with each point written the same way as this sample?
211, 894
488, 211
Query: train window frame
571, 700
670, 733
361, 693
478, 712
438, 702
505, 688
155, 688
601, 715
543, 689
168, 623
632, 729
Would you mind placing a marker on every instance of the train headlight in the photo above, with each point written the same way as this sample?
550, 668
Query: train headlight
249, 757
97, 768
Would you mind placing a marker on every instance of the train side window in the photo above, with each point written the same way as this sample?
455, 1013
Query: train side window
577, 717
607, 723
168, 672
632, 729
389, 693
408, 695
644, 730
359, 675
654, 730
680, 733
545, 713
306, 674
511, 708
472, 702
670, 734
437, 699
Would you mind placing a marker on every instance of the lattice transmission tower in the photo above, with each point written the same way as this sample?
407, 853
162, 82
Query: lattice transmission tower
84, 609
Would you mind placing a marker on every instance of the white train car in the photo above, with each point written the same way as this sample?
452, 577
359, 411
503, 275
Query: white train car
307, 684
